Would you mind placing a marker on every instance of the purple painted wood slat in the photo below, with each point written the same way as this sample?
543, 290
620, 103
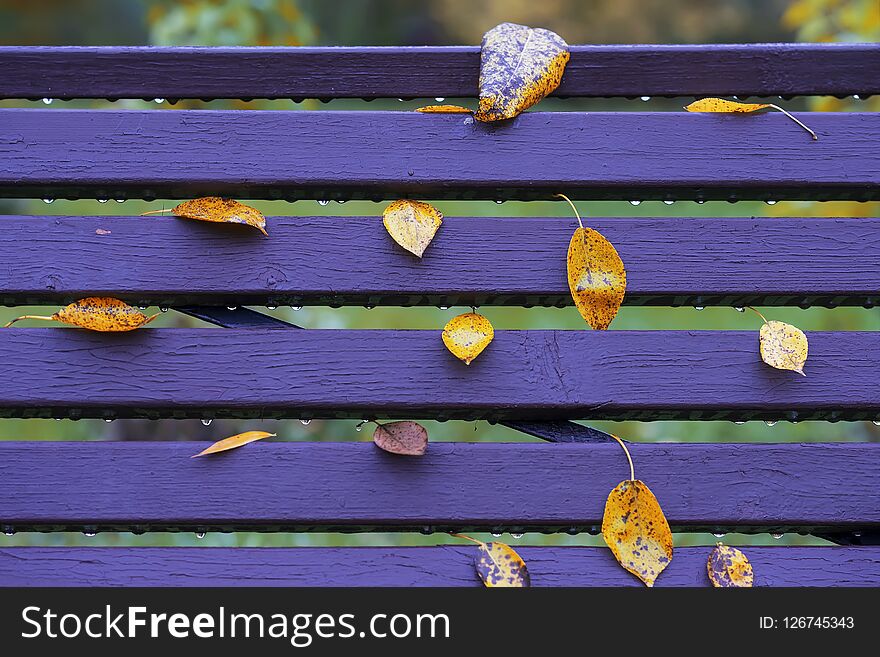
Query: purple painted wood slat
522, 375
259, 154
777, 69
352, 260
517, 486
447, 565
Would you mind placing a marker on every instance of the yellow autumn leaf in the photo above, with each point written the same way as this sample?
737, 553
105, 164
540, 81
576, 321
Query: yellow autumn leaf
596, 275
729, 568
444, 109
498, 565
221, 210
783, 346
97, 314
235, 441
723, 106
518, 67
467, 335
636, 530
412, 224
406, 438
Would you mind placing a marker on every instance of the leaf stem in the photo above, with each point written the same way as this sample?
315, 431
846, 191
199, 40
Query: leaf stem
18, 319
793, 118
576, 213
632, 470
144, 214
467, 538
758, 314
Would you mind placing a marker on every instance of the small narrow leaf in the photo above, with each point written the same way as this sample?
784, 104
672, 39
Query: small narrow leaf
407, 438
729, 568
596, 277
221, 210
498, 565
720, 105
103, 314
783, 346
467, 335
444, 109
235, 441
636, 530
412, 224
518, 67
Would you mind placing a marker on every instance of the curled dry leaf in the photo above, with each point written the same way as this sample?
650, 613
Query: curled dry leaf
720, 105
518, 67
729, 568
407, 438
412, 224
444, 109
235, 441
97, 314
221, 210
467, 335
498, 565
636, 530
783, 346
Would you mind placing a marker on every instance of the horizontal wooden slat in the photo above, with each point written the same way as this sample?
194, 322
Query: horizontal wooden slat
447, 565
259, 154
355, 486
786, 69
528, 375
473, 260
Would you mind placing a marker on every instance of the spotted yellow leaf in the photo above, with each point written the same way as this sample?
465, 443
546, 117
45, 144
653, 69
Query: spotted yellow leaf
498, 565
235, 441
721, 105
636, 530
97, 314
467, 335
444, 109
783, 346
221, 210
518, 67
596, 277
412, 224
406, 438
729, 568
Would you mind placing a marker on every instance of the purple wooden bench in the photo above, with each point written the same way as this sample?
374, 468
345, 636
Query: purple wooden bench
533, 381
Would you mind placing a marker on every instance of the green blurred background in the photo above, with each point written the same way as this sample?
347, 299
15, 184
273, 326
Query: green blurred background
444, 22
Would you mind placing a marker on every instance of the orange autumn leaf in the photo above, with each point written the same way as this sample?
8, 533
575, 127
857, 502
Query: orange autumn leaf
467, 335
444, 109
235, 441
518, 67
220, 210
729, 568
498, 565
97, 314
412, 224
720, 105
406, 438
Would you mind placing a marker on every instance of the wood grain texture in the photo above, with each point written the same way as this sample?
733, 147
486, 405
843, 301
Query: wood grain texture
260, 154
473, 260
447, 565
323, 486
409, 374
787, 69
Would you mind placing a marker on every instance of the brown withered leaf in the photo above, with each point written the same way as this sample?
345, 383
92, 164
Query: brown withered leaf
467, 335
636, 530
720, 105
97, 314
412, 224
729, 568
518, 67
220, 210
444, 109
407, 438
498, 565
783, 346
234, 441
